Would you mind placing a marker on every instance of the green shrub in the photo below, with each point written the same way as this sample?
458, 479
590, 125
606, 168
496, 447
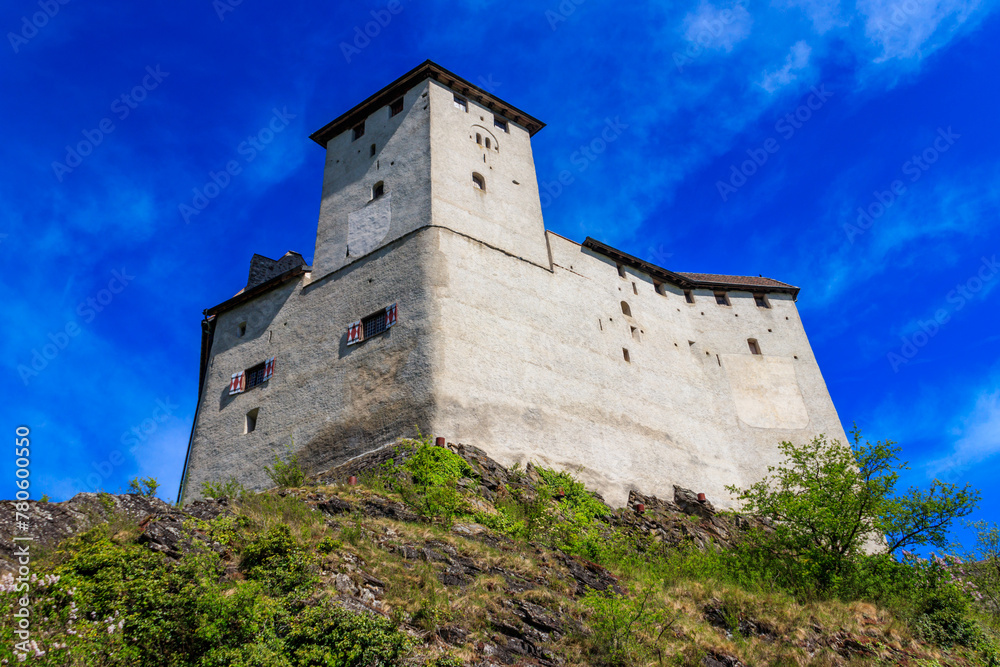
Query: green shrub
286, 474
328, 544
146, 486
625, 628
276, 557
228, 489
431, 478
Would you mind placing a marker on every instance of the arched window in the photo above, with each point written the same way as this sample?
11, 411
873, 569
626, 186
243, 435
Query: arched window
626, 310
479, 139
488, 142
478, 182
378, 190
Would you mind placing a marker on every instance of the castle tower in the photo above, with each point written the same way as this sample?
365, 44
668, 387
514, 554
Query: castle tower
425, 151
437, 299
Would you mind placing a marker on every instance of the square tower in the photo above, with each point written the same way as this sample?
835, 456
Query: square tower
429, 149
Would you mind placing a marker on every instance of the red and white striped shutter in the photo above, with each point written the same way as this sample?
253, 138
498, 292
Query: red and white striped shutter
390, 316
237, 383
354, 333
268, 368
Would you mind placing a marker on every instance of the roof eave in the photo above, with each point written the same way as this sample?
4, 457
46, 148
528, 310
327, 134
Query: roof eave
678, 279
245, 296
426, 70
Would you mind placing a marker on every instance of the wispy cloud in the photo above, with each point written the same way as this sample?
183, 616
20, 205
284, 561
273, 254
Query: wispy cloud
796, 61
978, 439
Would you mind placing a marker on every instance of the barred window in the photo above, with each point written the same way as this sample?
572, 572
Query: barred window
255, 376
374, 324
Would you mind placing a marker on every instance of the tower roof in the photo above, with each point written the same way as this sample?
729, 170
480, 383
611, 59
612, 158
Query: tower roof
426, 70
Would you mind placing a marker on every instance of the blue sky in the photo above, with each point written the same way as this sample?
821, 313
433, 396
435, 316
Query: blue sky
849, 148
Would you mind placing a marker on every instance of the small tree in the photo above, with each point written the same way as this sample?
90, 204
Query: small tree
286, 474
146, 486
828, 501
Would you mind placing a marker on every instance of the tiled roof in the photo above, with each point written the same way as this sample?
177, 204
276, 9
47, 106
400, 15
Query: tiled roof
749, 281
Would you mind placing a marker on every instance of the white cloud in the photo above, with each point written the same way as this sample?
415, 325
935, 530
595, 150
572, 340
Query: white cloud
796, 61
905, 29
979, 437
713, 28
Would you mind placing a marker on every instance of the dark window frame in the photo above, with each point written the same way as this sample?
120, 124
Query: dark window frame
358, 131
254, 376
396, 107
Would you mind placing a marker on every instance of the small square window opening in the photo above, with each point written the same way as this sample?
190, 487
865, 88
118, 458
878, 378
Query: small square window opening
461, 103
689, 296
761, 301
722, 298
378, 190
754, 346
396, 107
241, 330
359, 131
255, 376
500, 123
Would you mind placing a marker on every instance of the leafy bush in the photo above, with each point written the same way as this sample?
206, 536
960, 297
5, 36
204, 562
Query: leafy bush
828, 501
146, 486
623, 625
231, 488
432, 475
286, 474
275, 556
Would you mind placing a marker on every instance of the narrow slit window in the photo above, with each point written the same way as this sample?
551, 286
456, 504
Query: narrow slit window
754, 345
722, 298
621, 270
761, 301
396, 107
371, 151
479, 139
635, 334
689, 296
625, 309
500, 123
251, 421
478, 182
378, 190
241, 330
488, 144
359, 131
461, 103
625, 354
635, 290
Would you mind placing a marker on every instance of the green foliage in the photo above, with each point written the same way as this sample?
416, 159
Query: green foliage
982, 567
943, 617
274, 556
146, 486
286, 474
827, 501
623, 625
328, 545
44, 498
119, 604
231, 488
431, 478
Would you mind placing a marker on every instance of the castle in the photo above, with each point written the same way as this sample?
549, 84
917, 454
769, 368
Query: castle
437, 299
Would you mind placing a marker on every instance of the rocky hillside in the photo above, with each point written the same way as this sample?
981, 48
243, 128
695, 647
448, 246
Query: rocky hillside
418, 555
